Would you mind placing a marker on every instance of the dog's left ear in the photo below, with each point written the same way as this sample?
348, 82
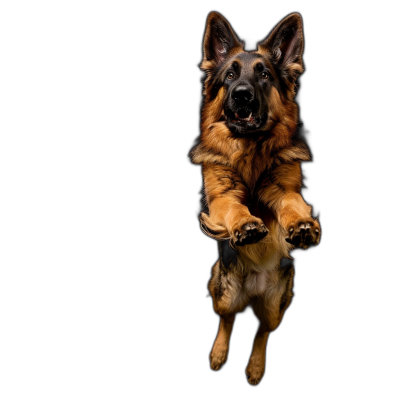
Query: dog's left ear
285, 42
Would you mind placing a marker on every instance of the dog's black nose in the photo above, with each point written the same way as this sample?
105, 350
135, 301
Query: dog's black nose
243, 95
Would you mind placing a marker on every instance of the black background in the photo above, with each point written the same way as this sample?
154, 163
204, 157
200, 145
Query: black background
149, 313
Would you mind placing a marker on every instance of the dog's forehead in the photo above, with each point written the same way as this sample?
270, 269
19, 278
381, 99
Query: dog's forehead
248, 60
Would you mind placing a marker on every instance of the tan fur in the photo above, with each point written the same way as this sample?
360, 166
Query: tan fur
252, 180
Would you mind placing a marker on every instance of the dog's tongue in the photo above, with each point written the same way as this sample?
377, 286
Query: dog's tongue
243, 115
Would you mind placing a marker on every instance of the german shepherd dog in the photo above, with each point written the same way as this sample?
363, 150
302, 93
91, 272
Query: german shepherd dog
250, 149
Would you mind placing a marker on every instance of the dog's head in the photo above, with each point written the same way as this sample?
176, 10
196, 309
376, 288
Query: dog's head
252, 91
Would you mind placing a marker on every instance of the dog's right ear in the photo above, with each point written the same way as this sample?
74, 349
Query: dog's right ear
219, 41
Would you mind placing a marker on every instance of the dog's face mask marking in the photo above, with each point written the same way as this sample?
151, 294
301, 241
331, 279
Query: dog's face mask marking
248, 77
247, 85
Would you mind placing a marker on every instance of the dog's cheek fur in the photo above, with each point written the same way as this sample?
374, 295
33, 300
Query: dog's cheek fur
288, 78
213, 109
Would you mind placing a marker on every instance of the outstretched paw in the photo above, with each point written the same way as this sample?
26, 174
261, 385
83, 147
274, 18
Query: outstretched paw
304, 233
250, 232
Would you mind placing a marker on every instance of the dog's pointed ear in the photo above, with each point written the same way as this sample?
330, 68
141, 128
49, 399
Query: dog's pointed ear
285, 42
219, 40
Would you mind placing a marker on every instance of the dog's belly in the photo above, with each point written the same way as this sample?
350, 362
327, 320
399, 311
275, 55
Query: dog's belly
255, 283
255, 271
260, 280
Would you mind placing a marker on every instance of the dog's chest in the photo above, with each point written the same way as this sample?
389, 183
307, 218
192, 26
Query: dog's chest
251, 164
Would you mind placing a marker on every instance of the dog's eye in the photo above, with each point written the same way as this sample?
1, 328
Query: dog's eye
231, 75
265, 75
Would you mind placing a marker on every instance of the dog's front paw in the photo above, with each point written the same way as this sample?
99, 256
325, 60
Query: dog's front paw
304, 233
250, 231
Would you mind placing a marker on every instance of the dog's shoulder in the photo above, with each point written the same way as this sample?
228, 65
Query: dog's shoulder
297, 151
216, 146
200, 154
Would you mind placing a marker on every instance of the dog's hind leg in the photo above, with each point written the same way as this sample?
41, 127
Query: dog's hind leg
221, 292
219, 352
269, 309
256, 366
225, 288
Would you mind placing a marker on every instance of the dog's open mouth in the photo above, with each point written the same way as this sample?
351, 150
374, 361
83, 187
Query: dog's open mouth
243, 121
243, 117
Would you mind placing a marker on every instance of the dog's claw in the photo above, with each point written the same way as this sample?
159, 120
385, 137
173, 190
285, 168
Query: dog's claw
248, 227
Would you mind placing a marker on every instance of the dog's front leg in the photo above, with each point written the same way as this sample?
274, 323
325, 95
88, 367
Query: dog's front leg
295, 216
226, 197
282, 195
